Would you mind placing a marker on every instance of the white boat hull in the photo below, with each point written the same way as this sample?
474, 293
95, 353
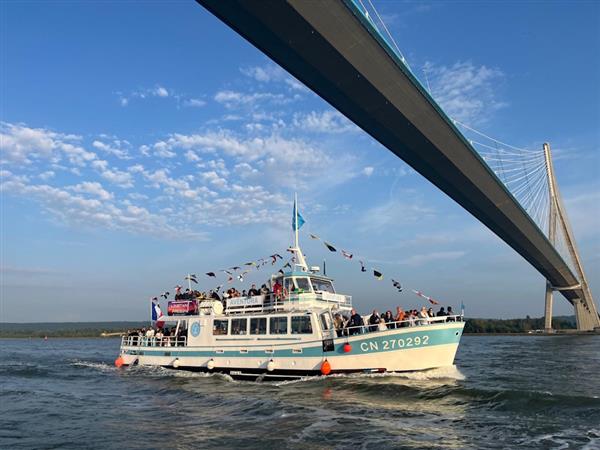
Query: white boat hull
396, 350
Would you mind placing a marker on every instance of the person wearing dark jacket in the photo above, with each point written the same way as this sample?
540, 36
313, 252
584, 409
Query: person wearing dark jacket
374, 320
354, 323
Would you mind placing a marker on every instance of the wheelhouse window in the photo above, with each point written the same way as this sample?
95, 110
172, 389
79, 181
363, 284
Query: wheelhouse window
278, 325
239, 326
303, 285
301, 325
289, 285
322, 285
258, 325
220, 327
325, 321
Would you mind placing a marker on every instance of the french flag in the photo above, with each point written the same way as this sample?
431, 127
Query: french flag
157, 315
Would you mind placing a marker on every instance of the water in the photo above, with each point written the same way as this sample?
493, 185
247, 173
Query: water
505, 392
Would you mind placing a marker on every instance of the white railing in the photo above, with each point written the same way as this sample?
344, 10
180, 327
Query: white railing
417, 322
143, 341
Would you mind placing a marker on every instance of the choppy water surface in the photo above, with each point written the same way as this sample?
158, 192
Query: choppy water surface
505, 392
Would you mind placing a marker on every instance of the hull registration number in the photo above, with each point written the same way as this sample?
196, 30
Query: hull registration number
391, 344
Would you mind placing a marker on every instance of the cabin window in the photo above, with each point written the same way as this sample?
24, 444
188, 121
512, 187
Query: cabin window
258, 325
303, 285
239, 326
301, 325
325, 321
322, 285
278, 325
289, 285
220, 326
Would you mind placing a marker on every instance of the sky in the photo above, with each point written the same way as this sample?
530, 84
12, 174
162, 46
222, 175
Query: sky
141, 141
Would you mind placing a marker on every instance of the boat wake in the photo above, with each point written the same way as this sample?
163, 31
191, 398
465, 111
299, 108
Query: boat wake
449, 373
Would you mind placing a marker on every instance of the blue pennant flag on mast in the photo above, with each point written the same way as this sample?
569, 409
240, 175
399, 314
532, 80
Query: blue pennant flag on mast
297, 219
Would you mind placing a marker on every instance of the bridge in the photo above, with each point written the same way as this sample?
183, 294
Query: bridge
335, 49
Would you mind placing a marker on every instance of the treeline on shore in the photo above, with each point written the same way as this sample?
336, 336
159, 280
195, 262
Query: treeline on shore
526, 325
96, 329
65, 329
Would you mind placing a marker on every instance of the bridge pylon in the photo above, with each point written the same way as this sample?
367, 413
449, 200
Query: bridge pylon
586, 314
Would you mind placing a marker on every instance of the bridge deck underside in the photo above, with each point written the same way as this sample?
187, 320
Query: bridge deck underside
326, 46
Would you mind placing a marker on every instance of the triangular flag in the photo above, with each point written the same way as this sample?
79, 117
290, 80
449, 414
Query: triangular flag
346, 254
330, 247
377, 275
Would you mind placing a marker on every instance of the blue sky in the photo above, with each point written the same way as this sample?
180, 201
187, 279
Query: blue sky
143, 141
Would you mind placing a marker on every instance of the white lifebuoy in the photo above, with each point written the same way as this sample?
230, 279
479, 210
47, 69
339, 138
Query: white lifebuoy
271, 366
176, 363
211, 364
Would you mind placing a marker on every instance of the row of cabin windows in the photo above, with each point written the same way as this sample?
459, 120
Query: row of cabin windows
258, 325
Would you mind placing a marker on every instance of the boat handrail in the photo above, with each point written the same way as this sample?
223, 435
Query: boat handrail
143, 341
278, 303
418, 322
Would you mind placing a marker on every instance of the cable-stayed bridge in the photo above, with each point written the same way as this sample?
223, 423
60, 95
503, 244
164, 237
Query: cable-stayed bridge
335, 48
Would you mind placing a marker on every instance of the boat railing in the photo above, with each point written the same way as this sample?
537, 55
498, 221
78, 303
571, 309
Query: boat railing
282, 302
143, 341
417, 322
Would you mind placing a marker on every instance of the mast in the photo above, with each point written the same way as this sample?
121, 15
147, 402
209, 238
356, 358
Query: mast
296, 227
299, 256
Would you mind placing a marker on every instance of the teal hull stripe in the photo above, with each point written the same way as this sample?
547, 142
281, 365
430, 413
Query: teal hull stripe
368, 343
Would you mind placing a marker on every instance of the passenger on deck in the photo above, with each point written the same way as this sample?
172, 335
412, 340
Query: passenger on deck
252, 292
374, 320
214, 295
264, 290
411, 317
400, 317
382, 325
423, 316
441, 312
244, 293
389, 319
430, 312
450, 313
338, 323
159, 338
277, 289
355, 323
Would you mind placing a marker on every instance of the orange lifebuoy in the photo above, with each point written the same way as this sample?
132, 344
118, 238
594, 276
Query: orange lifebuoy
347, 348
325, 368
119, 362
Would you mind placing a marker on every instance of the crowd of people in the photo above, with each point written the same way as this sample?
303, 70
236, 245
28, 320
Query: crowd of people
229, 293
160, 337
356, 324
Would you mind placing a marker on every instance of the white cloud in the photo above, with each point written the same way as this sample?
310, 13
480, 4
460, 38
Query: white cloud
466, 92
234, 99
191, 156
194, 102
46, 175
160, 91
117, 177
272, 73
323, 122
91, 212
114, 150
22, 144
368, 171
93, 188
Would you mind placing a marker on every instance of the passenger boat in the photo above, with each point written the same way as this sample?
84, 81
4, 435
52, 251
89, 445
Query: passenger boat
292, 335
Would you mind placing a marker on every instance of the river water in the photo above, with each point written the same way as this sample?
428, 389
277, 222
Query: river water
504, 393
